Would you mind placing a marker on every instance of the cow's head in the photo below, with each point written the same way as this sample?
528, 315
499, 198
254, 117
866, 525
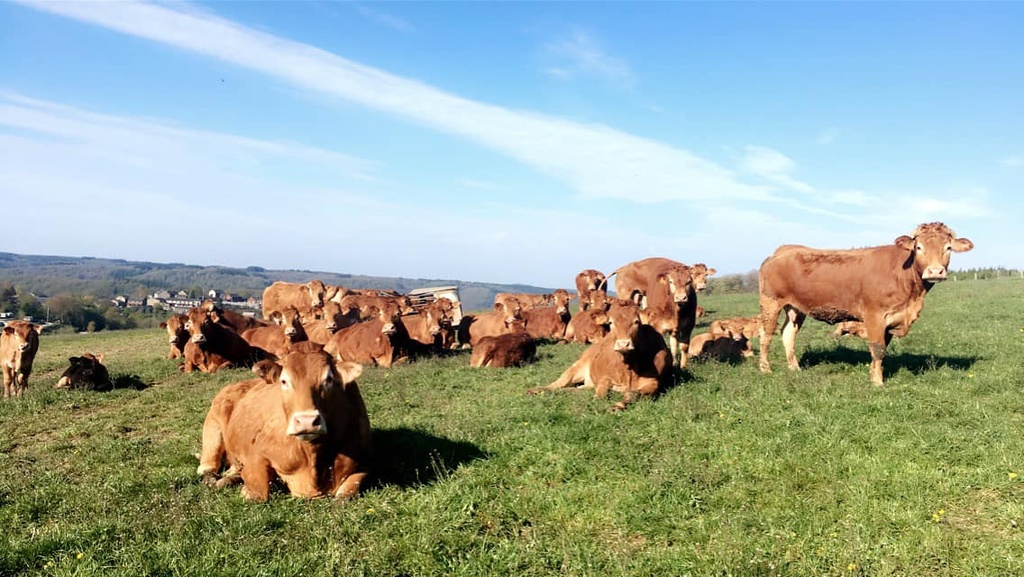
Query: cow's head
678, 281
308, 381
388, 311
177, 334
316, 290
700, 273
509, 306
24, 334
86, 372
560, 298
199, 322
623, 325
331, 312
930, 247
590, 279
291, 321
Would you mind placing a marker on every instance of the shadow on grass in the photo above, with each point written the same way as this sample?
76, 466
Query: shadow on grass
891, 364
129, 382
408, 458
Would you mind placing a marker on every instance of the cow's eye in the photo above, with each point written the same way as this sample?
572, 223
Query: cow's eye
949, 247
920, 248
284, 384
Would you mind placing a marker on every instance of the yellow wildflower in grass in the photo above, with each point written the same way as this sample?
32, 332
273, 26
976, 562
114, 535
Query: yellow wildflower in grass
1012, 475
851, 567
80, 555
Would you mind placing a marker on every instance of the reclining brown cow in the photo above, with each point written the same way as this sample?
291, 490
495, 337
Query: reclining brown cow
304, 423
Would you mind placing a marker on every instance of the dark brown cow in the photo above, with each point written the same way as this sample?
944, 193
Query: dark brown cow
198, 359
587, 326
513, 349
278, 338
377, 341
177, 335
883, 287
632, 359
86, 373
218, 342
549, 322
303, 297
588, 281
305, 424
19, 342
747, 327
722, 346
665, 289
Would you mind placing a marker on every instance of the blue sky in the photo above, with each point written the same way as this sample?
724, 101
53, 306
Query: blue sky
507, 142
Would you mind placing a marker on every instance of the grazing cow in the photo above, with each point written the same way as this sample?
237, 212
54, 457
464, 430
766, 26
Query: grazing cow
378, 341
303, 297
512, 349
217, 342
549, 322
855, 328
588, 281
664, 288
177, 335
304, 423
526, 300
748, 327
278, 338
632, 359
883, 287
19, 342
587, 326
490, 324
87, 373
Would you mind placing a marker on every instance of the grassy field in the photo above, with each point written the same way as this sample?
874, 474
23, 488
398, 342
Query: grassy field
729, 473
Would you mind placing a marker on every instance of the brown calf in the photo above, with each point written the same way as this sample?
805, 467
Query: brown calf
217, 342
587, 326
512, 349
177, 335
588, 281
278, 338
19, 342
379, 341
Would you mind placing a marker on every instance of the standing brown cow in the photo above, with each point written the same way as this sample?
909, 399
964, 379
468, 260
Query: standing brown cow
665, 289
19, 342
305, 425
303, 297
882, 286
632, 359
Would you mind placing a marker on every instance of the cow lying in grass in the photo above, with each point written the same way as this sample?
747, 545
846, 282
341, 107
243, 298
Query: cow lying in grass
303, 422
86, 373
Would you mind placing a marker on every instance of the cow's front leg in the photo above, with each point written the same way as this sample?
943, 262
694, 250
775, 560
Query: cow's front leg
878, 338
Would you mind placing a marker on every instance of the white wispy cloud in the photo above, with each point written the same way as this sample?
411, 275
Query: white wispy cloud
578, 52
595, 160
773, 166
1012, 161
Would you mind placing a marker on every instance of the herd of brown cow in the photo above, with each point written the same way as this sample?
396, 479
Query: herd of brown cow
303, 421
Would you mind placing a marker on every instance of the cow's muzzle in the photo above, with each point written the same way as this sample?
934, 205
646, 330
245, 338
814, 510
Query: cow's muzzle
934, 274
199, 338
624, 345
306, 425
388, 328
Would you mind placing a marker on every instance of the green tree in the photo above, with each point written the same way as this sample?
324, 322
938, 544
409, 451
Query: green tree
8, 298
31, 307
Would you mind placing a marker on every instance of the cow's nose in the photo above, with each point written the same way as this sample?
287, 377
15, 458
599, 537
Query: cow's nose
290, 331
623, 345
199, 338
306, 424
934, 273
435, 330
388, 328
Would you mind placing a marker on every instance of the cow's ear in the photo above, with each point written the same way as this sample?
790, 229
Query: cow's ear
277, 318
74, 361
99, 358
662, 278
39, 328
267, 370
498, 306
711, 271
962, 245
905, 242
348, 371
163, 325
8, 331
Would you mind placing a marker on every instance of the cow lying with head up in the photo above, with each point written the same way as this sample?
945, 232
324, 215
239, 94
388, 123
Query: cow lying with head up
304, 423
86, 373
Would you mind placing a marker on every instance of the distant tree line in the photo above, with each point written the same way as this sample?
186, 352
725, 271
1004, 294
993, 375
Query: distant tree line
747, 283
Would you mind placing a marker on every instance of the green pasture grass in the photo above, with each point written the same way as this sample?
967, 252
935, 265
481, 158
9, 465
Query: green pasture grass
730, 472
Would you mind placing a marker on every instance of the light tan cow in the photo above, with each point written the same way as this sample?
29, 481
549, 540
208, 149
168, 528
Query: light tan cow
304, 423
19, 342
177, 335
304, 297
665, 289
588, 281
